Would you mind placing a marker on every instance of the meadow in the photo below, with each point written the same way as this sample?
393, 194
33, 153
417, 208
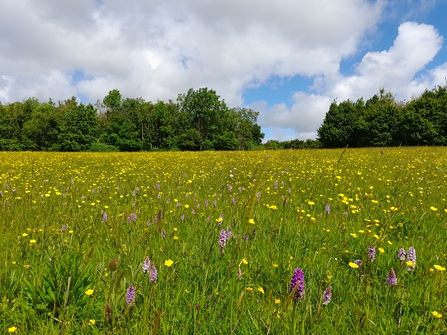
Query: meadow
280, 242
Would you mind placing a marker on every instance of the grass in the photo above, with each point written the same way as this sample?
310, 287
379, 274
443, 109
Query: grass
76, 229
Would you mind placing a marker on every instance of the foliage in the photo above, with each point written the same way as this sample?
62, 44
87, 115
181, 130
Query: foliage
199, 120
382, 121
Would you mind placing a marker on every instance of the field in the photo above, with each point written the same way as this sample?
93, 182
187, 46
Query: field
219, 242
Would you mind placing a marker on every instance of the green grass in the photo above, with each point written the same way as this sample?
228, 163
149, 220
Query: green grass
56, 244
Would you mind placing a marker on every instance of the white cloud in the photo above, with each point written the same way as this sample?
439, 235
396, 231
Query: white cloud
393, 69
158, 49
304, 116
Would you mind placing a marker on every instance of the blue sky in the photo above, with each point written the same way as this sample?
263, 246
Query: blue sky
286, 59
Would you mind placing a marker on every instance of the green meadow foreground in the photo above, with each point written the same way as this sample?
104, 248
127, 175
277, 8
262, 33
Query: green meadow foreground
284, 242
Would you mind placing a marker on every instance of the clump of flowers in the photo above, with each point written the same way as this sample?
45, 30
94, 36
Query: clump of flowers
372, 253
223, 237
297, 284
149, 266
130, 294
411, 258
358, 262
391, 280
401, 254
327, 295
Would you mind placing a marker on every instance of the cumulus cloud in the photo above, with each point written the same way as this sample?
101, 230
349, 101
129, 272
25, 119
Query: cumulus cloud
395, 70
304, 116
158, 49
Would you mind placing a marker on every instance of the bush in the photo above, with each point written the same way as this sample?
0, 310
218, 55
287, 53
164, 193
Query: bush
102, 147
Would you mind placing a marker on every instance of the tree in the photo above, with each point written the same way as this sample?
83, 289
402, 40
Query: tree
79, 128
339, 125
42, 130
203, 111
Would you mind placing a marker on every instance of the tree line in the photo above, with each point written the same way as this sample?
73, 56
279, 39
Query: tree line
383, 121
198, 120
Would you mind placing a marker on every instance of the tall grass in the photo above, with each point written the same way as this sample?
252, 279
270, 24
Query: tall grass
76, 230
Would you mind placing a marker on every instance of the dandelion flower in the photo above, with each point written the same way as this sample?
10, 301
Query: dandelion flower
353, 265
169, 262
89, 291
12, 329
436, 314
260, 289
439, 267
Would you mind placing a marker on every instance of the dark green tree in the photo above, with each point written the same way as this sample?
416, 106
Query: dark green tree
204, 111
79, 128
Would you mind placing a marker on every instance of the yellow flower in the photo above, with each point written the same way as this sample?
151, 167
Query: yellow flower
27, 266
436, 314
219, 219
245, 261
12, 329
175, 237
353, 265
260, 289
354, 235
169, 262
24, 234
411, 264
381, 250
91, 322
277, 301
249, 288
32, 241
89, 291
434, 209
275, 265
251, 221
186, 206
439, 267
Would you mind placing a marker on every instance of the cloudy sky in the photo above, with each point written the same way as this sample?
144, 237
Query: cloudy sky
287, 59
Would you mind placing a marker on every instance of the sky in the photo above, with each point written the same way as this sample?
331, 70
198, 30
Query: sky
286, 59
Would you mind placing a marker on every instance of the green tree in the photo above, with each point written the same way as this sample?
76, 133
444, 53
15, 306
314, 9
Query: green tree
42, 130
78, 129
339, 125
204, 111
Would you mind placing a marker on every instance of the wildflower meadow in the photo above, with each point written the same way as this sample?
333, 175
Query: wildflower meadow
333, 241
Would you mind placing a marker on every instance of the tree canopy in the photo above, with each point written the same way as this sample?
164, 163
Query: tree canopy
198, 120
383, 121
